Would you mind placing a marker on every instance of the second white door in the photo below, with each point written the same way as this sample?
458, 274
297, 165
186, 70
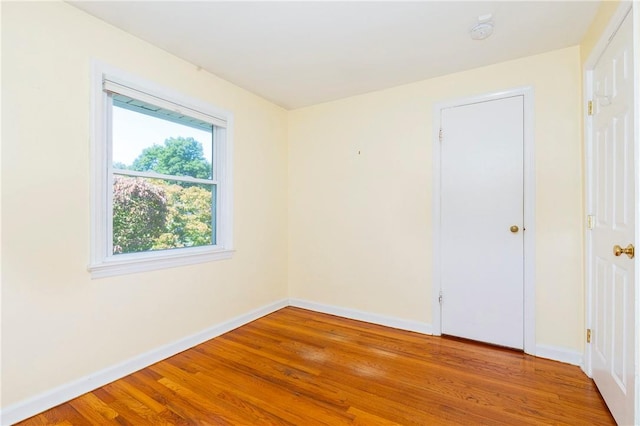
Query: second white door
614, 344
481, 229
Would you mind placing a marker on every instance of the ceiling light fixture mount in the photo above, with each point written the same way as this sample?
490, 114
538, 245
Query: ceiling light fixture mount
484, 28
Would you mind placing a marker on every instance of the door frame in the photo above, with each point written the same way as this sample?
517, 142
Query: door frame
529, 208
588, 69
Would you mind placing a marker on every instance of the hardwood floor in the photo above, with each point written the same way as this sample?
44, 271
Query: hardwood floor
296, 367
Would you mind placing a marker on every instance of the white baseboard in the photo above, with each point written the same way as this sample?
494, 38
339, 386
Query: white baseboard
559, 354
39, 403
402, 324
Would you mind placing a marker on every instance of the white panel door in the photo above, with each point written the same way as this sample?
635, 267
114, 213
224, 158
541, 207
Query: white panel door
613, 338
482, 264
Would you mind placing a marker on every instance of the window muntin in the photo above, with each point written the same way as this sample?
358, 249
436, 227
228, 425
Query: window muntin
186, 216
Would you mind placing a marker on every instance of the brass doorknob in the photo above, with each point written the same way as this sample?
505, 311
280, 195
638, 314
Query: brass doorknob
630, 250
514, 229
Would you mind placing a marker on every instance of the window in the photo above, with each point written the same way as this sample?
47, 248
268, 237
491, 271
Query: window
161, 177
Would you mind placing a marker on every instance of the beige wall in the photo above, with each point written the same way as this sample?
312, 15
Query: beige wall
58, 325
360, 226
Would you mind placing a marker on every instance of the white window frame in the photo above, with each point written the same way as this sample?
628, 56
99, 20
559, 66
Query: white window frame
103, 262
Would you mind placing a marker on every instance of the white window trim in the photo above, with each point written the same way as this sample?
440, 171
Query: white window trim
102, 262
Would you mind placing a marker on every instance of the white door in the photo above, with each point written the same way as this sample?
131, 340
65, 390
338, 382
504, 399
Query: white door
613, 188
481, 229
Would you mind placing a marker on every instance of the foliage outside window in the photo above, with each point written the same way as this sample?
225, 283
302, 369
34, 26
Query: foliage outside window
161, 181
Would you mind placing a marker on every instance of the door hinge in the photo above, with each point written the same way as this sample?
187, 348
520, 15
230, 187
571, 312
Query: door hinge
591, 221
440, 135
588, 335
440, 298
590, 108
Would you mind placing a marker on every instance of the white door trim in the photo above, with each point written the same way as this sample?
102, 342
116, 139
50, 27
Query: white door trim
596, 53
529, 210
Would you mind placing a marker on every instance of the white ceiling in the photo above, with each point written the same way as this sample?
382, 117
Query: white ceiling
302, 53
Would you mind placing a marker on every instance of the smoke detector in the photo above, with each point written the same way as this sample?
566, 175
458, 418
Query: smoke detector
483, 29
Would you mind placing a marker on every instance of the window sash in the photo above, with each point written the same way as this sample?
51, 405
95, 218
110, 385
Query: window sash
215, 202
213, 188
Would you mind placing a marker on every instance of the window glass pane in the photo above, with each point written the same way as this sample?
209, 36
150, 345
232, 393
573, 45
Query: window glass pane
156, 214
144, 142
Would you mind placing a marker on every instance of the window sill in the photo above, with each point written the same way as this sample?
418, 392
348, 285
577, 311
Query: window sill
150, 261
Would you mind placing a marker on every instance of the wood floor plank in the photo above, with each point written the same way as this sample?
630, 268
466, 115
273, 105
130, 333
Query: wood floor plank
94, 409
297, 367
